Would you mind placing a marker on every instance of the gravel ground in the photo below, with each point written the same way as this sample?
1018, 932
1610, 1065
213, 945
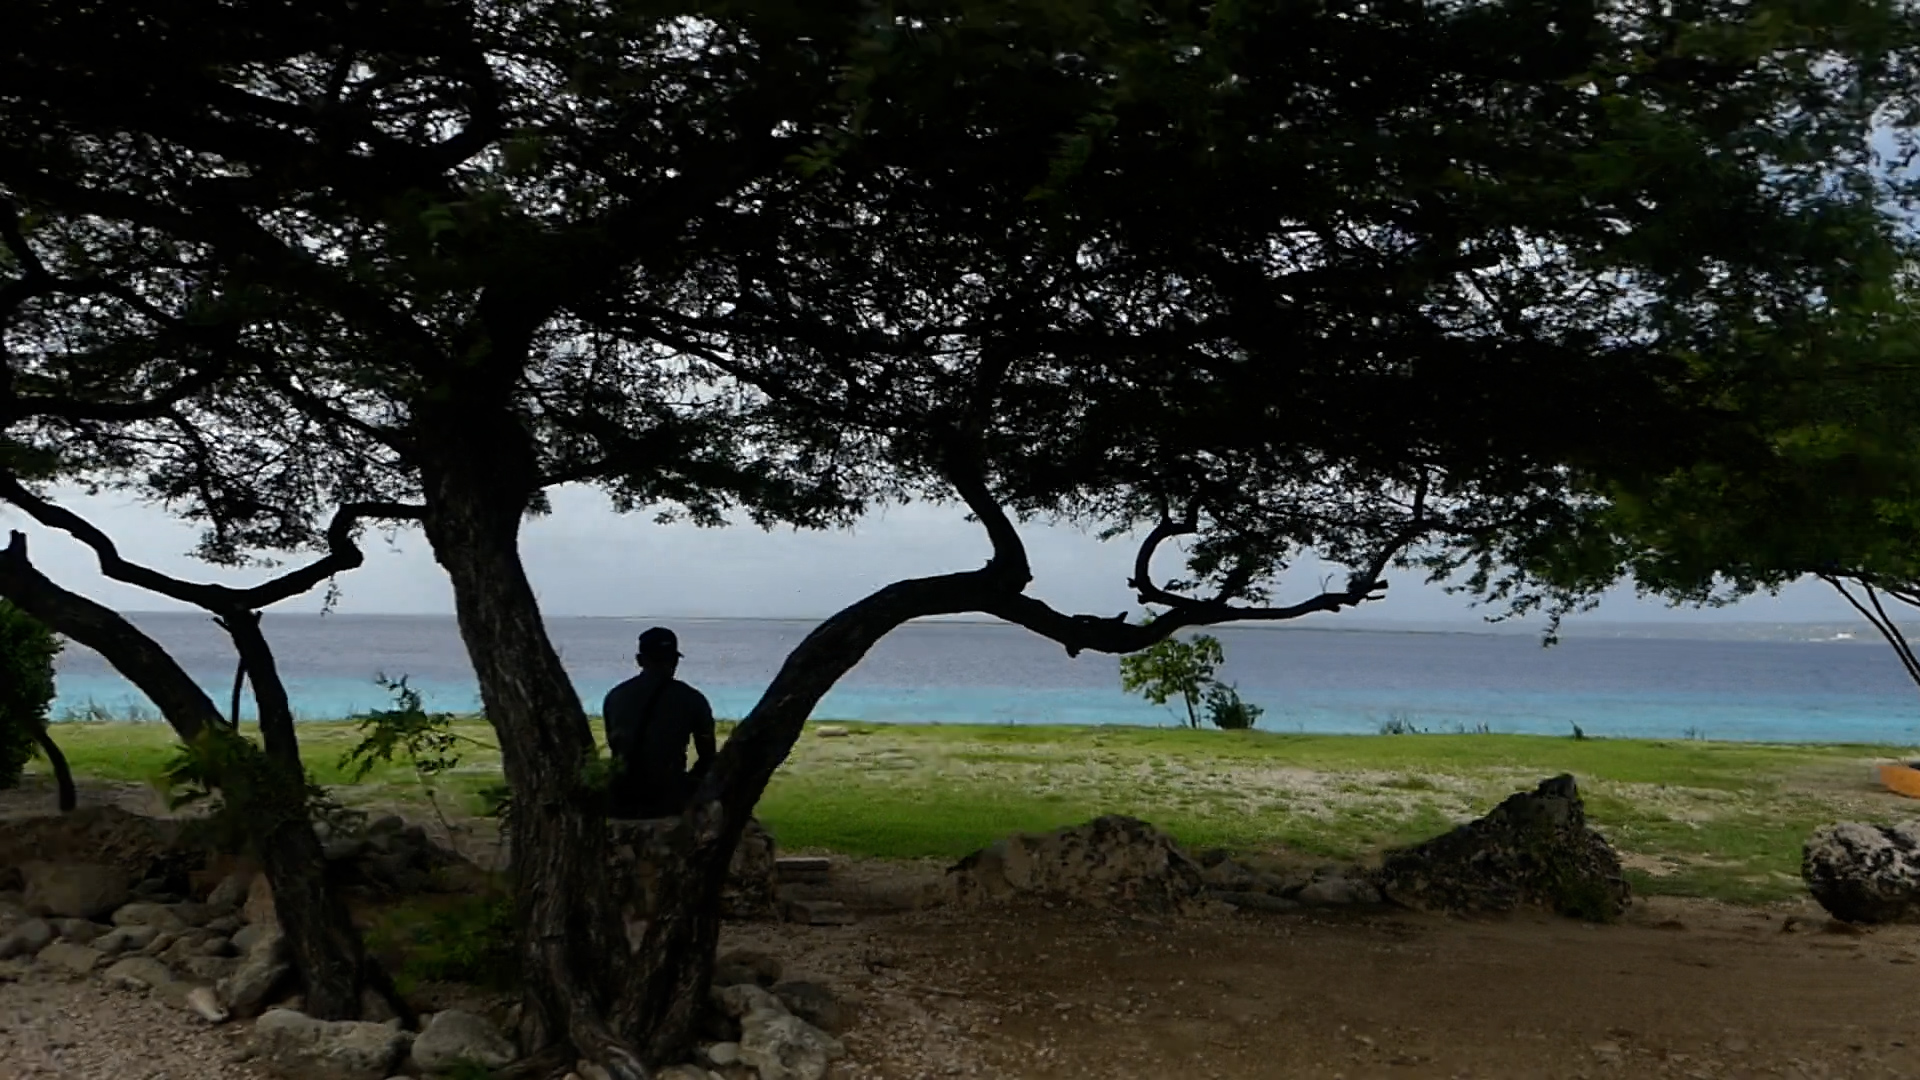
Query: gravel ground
86, 1031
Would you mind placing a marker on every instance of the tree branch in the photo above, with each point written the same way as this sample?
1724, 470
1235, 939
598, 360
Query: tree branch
187, 708
342, 553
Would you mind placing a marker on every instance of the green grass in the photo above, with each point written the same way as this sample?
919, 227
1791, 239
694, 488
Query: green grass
1724, 820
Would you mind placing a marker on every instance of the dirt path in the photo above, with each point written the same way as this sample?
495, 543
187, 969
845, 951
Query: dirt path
1682, 989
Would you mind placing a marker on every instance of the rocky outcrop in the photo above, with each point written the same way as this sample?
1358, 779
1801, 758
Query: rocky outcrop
641, 847
1864, 873
264, 967
1533, 850
453, 1038
298, 1047
390, 858
1111, 861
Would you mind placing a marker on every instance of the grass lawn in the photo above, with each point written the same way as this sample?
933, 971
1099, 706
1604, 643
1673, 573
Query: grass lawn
1724, 820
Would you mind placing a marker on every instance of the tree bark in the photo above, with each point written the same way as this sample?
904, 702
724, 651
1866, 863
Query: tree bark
270, 796
57, 761
478, 477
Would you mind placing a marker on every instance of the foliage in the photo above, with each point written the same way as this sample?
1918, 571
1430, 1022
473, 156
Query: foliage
425, 740
1174, 668
246, 794
27, 650
1226, 711
466, 939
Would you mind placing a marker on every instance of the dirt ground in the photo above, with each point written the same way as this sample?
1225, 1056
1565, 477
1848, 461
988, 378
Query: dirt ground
1680, 989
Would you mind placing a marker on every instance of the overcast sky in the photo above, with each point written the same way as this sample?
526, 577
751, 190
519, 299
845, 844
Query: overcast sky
586, 560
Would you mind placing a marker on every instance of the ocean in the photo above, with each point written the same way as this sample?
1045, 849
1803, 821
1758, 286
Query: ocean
1762, 682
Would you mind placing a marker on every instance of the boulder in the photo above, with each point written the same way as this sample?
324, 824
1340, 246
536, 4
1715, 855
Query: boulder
1338, 891
1864, 873
743, 999
299, 1047
70, 958
1534, 849
26, 939
231, 892
75, 890
126, 939
260, 972
202, 1003
258, 908
454, 1037
781, 1046
1111, 861
815, 1004
681, 1072
145, 913
746, 966
642, 846
78, 931
138, 973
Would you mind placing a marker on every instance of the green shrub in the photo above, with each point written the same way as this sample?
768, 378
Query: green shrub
468, 939
1228, 712
27, 649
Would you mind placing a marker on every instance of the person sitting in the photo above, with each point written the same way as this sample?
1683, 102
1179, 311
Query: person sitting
649, 719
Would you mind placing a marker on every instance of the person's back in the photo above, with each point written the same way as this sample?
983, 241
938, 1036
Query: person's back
649, 719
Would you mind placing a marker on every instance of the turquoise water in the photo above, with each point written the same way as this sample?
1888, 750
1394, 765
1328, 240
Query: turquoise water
1787, 684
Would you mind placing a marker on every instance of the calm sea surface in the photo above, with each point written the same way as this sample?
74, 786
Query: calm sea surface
1755, 682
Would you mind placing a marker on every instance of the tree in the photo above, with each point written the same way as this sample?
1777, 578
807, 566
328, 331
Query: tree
1350, 278
27, 651
1174, 668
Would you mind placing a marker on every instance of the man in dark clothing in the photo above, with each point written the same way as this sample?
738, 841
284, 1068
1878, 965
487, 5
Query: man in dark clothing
649, 719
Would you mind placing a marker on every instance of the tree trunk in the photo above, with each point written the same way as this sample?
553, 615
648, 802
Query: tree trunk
327, 951
477, 473
57, 761
666, 984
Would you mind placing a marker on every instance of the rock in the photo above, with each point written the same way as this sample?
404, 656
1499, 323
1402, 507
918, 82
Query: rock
75, 890
744, 998
301, 1048
216, 945
68, 957
391, 823
454, 1036
1255, 901
26, 939
830, 731
225, 925
227, 896
138, 973
161, 942
641, 847
818, 912
248, 937
126, 939
192, 914
1864, 873
78, 931
815, 1004
258, 908
1534, 849
723, 1053
781, 1046
1338, 892
746, 966
1111, 861
808, 869
209, 969
681, 1072
1228, 876
201, 1001
257, 976
144, 913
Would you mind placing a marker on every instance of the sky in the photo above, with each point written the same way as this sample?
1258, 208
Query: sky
584, 559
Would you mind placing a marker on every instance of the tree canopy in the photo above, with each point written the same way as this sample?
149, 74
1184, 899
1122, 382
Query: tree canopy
1392, 282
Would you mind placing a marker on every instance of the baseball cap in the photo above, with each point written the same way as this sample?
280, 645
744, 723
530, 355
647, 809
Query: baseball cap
659, 641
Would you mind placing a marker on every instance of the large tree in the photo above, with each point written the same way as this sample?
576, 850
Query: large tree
1264, 277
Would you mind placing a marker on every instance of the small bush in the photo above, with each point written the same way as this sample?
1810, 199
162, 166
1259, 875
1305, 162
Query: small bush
1228, 712
27, 649
469, 940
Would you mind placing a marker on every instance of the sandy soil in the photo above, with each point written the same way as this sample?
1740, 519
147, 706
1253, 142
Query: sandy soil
1680, 989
